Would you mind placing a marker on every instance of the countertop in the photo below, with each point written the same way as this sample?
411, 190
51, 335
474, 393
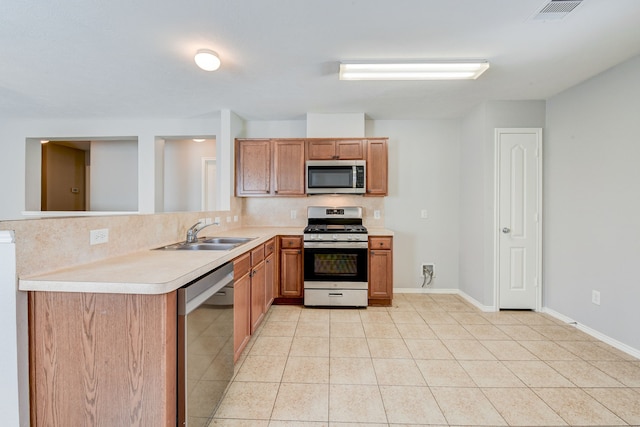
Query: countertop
152, 271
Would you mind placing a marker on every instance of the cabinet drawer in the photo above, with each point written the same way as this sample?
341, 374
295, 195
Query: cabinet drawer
257, 255
241, 265
269, 247
380, 242
291, 242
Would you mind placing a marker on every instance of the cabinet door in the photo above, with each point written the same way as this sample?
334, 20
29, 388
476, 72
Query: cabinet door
380, 274
241, 314
288, 167
321, 150
257, 295
253, 167
291, 273
350, 149
86, 351
269, 276
377, 167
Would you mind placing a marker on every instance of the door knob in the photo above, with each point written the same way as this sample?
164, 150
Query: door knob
506, 230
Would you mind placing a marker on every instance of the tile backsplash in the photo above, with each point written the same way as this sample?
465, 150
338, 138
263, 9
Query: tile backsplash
277, 211
49, 244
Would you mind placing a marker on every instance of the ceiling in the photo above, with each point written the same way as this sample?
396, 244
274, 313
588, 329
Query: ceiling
134, 58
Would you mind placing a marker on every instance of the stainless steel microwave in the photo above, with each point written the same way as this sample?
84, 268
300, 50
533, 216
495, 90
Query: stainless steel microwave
336, 176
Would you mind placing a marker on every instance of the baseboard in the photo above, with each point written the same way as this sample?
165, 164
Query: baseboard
424, 291
469, 299
598, 335
487, 308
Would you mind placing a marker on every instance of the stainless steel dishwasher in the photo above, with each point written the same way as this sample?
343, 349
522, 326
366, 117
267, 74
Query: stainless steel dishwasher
205, 345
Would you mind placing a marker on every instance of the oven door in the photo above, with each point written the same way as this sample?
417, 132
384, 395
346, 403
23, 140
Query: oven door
333, 265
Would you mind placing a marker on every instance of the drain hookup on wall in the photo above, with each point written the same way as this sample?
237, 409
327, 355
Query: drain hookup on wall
428, 274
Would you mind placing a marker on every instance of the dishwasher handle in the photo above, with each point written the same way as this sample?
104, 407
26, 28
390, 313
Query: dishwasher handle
196, 293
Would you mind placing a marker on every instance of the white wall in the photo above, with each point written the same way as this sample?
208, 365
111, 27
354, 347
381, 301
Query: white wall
477, 176
13, 136
14, 388
114, 168
423, 174
473, 200
183, 173
592, 203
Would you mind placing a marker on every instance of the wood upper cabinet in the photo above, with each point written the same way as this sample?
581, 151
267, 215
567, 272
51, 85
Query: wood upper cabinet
266, 167
377, 167
288, 167
253, 167
276, 167
332, 149
380, 270
291, 261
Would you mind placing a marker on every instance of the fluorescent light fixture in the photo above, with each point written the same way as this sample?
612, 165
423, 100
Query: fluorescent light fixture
207, 59
413, 70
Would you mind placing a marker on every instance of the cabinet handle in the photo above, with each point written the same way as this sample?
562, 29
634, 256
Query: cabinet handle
299, 251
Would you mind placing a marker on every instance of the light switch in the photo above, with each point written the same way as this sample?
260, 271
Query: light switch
423, 213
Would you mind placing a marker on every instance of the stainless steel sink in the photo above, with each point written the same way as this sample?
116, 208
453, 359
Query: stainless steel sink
225, 240
208, 244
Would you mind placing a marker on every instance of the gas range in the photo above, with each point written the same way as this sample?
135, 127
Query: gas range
335, 257
335, 224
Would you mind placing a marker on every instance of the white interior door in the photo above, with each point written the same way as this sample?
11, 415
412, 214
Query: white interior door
518, 234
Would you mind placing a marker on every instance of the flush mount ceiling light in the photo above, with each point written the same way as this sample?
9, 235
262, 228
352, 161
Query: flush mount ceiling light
207, 59
412, 70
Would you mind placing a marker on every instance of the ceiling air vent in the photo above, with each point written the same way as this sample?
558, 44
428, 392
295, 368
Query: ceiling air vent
556, 9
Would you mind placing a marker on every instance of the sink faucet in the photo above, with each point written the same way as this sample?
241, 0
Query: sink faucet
192, 232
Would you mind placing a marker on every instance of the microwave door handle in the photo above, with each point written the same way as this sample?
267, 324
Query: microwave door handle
354, 178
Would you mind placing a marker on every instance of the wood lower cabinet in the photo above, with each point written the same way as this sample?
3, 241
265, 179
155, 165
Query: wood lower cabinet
241, 303
258, 281
270, 271
102, 359
380, 270
377, 167
291, 264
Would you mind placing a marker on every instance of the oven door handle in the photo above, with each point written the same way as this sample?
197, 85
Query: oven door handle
335, 245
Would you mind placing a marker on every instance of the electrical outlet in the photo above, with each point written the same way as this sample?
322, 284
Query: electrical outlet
376, 214
294, 214
595, 297
423, 214
97, 237
427, 270
208, 220
235, 218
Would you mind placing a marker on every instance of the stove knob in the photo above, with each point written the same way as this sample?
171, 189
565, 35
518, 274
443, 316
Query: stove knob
334, 237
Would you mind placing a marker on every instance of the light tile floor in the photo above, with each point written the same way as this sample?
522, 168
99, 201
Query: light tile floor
429, 360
